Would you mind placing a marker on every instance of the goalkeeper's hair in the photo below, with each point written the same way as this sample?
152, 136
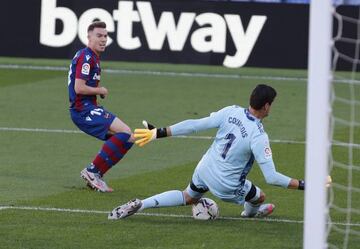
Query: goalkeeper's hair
96, 24
261, 95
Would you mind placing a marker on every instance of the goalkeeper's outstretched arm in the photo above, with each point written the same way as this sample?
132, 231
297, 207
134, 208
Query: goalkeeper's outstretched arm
144, 136
214, 120
275, 178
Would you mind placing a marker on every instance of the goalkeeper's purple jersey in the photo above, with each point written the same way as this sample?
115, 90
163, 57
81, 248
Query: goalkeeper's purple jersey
85, 65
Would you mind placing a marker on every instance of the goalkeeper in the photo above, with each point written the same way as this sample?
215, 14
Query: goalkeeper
239, 141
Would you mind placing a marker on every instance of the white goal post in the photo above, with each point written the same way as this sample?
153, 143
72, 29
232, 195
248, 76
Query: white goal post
317, 124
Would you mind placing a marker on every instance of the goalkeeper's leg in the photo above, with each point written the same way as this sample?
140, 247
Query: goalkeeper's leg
170, 198
253, 206
174, 198
254, 198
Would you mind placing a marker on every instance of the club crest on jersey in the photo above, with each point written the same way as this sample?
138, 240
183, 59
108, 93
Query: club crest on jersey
85, 69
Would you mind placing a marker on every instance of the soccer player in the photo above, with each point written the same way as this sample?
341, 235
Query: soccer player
239, 141
83, 86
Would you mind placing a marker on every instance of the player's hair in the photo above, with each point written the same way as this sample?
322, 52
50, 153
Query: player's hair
261, 95
96, 24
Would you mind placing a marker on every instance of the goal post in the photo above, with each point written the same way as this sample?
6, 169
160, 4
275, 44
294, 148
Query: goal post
317, 124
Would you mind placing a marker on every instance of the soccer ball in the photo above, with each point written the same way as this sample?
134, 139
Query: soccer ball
205, 209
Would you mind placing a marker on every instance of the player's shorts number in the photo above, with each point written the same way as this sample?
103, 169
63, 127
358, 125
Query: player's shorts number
97, 111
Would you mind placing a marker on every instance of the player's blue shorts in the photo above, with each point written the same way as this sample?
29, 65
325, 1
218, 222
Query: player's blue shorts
94, 121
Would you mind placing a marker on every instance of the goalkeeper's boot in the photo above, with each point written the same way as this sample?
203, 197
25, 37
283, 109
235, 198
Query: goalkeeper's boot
264, 210
94, 181
125, 210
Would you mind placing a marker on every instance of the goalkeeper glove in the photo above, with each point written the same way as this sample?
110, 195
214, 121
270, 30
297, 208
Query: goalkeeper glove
328, 181
150, 133
148, 125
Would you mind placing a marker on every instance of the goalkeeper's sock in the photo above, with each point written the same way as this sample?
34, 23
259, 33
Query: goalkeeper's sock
170, 198
251, 209
112, 152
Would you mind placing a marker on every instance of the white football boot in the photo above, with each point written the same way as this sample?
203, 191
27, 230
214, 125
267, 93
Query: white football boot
125, 210
94, 181
264, 210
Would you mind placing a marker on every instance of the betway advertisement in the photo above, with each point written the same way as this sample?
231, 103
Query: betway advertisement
232, 34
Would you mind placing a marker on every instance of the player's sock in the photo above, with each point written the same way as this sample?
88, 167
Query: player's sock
167, 199
112, 151
251, 209
92, 168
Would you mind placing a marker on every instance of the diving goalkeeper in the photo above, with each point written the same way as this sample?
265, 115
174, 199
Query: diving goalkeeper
240, 139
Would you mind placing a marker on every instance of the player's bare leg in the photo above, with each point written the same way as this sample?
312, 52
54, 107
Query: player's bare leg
118, 126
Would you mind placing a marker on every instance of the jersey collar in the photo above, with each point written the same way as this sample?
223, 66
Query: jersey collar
249, 115
93, 53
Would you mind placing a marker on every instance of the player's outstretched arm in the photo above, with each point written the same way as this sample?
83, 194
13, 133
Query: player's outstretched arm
144, 136
296, 184
184, 127
300, 184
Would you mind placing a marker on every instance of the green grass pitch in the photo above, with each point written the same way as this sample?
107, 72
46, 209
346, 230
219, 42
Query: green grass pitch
40, 169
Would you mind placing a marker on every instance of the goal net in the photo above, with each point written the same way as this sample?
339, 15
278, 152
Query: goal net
332, 215
344, 164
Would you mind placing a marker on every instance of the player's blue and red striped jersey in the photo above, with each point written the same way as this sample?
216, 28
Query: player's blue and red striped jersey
85, 65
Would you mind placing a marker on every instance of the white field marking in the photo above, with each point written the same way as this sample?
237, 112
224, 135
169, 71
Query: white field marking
279, 141
68, 210
157, 73
39, 130
79, 132
175, 74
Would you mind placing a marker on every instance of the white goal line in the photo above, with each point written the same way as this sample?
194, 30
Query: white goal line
68, 210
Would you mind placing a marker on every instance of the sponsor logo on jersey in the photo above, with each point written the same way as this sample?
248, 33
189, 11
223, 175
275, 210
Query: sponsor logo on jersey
87, 57
88, 118
96, 76
85, 69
